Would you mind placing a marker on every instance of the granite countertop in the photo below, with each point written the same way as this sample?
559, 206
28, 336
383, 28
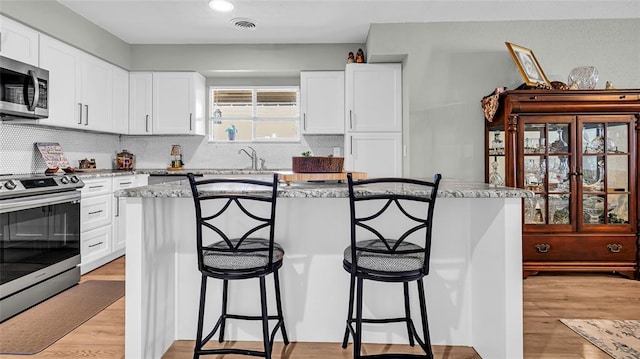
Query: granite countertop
113, 173
449, 188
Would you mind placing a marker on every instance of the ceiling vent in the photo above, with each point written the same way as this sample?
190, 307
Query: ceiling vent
243, 23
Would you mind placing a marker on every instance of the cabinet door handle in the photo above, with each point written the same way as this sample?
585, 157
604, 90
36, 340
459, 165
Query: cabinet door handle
350, 121
304, 122
146, 124
80, 113
86, 118
614, 247
117, 207
95, 212
351, 146
542, 248
94, 245
190, 122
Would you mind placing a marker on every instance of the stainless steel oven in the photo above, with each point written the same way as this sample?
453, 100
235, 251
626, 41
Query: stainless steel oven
39, 239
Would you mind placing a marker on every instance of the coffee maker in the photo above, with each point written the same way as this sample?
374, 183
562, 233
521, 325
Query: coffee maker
176, 157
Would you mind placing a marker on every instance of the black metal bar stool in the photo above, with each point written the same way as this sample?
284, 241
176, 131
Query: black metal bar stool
237, 257
399, 257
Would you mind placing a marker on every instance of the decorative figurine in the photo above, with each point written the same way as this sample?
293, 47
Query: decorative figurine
360, 56
350, 58
609, 85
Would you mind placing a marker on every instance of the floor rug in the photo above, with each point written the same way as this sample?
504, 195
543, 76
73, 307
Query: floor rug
618, 338
42, 325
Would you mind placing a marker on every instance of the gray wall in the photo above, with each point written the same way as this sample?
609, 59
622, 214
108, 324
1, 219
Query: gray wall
449, 67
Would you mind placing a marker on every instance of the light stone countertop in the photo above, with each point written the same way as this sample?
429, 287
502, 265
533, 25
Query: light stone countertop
449, 188
114, 173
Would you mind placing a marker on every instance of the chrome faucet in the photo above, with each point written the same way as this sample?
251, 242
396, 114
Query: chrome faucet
253, 155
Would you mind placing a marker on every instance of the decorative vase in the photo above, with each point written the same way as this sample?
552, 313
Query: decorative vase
583, 78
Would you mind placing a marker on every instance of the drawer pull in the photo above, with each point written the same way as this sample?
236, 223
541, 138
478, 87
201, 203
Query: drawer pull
614, 247
94, 245
542, 248
622, 97
95, 212
93, 187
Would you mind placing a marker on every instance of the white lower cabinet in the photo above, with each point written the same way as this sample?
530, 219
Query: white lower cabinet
102, 218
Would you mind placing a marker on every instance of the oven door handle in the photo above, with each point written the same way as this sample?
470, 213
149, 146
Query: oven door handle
20, 203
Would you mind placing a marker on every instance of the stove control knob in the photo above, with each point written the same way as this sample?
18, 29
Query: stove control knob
10, 184
75, 179
64, 180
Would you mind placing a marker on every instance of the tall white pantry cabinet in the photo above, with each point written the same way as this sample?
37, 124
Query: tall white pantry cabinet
373, 119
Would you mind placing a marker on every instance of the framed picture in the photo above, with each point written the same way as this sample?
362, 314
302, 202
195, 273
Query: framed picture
528, 65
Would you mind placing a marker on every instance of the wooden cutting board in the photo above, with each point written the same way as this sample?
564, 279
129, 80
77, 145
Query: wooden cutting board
289, 177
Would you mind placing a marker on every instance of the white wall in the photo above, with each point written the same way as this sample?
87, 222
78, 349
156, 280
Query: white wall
449, 67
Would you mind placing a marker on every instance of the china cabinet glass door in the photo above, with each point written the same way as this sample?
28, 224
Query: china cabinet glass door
605, 172
548, 159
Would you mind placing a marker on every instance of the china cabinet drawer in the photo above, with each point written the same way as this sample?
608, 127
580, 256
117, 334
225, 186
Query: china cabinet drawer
95, 244
579, 248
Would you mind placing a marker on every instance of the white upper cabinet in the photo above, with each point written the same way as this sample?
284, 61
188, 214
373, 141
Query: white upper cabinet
63, 63
18, 42
140, 103
373, 94
174, 102
120, 104
96, 94
81, 89
322, 102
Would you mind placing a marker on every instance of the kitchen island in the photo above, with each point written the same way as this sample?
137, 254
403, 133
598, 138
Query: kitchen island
474, 289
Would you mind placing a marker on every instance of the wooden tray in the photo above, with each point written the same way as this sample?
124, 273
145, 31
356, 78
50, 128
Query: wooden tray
289, 177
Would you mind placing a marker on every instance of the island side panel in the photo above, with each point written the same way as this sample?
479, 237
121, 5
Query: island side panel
496, 259
150, 278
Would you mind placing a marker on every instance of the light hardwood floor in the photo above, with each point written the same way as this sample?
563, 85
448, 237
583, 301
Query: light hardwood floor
547, 298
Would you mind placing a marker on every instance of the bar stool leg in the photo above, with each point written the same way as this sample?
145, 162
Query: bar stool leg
265, 319
276, 281
225, 288
203, 294
423, 315
345, 341
407, 313
357, 340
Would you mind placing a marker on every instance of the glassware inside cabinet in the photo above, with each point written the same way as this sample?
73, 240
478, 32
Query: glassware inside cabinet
534, 173
559, 209
559, 137
593, 172
496, 147
535, 210
618, 209
559, 180
534, 138
593, 209
596, 140
496, 175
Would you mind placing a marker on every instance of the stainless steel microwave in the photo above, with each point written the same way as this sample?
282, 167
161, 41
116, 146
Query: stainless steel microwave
24, 90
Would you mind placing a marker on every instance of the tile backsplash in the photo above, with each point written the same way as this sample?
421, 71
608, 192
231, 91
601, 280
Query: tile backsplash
18, 153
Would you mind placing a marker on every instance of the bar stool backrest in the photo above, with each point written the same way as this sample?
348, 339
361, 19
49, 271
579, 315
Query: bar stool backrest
234, 210
411, 202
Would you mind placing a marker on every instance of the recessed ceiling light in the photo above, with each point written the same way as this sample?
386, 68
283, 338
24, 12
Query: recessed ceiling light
221, 5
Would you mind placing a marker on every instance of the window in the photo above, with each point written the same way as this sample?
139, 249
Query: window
254, 114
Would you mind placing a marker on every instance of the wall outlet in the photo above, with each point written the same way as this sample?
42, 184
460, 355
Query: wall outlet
336, 152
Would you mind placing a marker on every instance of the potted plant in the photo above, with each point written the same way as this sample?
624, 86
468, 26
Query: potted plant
231, 132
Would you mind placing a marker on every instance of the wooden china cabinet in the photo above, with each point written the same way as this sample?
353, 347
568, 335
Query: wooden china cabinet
577, 150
